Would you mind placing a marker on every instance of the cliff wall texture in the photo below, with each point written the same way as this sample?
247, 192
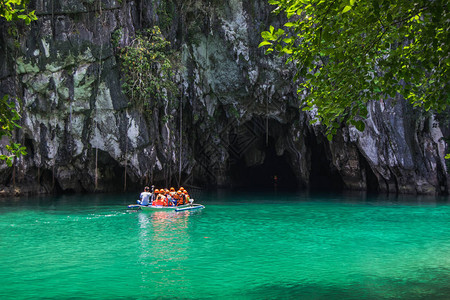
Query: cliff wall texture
237, 120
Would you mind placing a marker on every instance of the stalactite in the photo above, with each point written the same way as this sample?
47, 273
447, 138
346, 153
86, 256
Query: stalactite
14, 173
95, 110
126, 158
96, 169
181, 137
169, 140
53, 176
125, 176
70, 125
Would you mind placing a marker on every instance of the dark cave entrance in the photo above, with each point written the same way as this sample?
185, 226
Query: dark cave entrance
372, 185
112, 175
274, 172
323, 174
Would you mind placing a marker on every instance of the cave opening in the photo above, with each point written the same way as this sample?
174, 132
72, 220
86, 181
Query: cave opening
275, 171
372, 185
323, 174
111, 174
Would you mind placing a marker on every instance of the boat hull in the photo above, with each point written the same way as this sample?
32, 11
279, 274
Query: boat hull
161, 208
184, 207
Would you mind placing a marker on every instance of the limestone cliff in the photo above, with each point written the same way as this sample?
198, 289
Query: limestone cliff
238, 120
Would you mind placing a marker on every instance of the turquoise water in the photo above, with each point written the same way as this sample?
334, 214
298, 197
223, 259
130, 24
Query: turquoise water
278, 246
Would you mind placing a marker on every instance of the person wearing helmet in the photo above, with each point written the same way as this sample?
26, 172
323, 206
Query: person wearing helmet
169, 198
180, 200
145, 196
160, 197
166, 201
186, 197
175, 198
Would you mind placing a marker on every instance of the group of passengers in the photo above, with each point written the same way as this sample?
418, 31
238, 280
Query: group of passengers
164, 197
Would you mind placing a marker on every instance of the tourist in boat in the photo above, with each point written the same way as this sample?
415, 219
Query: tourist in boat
172, 195
169, 198
145, 196
153, 196
161, 198
176, 198
172, 192
186, 197
180, 200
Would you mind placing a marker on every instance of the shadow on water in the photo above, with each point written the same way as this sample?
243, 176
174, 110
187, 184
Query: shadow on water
268, 195
365, 288
241, 194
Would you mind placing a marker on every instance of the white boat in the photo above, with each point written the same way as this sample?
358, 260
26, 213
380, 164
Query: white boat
184, 207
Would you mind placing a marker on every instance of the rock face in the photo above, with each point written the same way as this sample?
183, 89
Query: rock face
237, 120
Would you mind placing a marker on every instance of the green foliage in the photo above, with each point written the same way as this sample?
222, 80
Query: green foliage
16, 150
148, 67
13, 10
8, 118
348, 52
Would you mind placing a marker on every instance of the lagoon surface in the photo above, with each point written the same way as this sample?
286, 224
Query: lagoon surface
241, 246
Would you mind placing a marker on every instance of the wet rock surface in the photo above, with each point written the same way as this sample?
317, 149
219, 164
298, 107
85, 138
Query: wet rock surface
238, 115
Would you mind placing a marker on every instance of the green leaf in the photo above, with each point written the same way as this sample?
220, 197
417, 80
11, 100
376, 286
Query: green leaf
264, 43
266, 35
287, 50
346, 9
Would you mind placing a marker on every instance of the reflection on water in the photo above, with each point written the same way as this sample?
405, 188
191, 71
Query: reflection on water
164, 247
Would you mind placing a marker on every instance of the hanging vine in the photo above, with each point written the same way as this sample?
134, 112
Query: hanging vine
148, 67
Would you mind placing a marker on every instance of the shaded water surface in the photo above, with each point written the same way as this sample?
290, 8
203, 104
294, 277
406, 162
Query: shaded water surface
241, 246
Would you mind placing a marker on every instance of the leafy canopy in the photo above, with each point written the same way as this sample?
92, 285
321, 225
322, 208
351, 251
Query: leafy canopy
13, 10
348, 52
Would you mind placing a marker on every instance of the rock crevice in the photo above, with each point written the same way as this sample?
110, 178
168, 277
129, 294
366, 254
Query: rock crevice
237, 115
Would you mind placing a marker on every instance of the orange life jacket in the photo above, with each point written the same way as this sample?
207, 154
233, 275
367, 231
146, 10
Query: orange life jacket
160, 200
180, 200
